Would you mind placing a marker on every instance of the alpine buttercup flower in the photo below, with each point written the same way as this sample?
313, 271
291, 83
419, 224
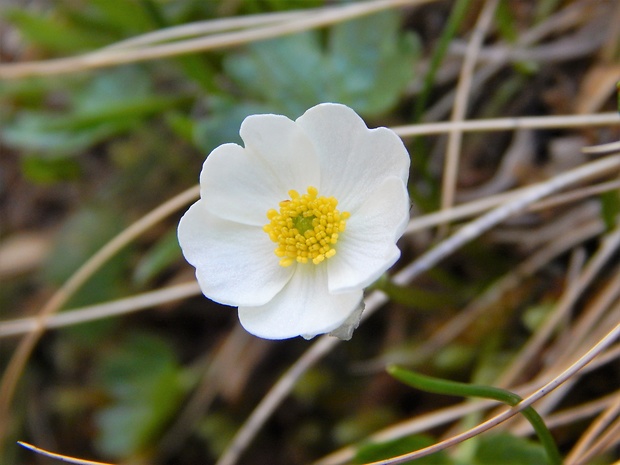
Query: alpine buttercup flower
292, 227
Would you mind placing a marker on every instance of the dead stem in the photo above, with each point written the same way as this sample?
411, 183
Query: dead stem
459, 110
113, 56
20, 357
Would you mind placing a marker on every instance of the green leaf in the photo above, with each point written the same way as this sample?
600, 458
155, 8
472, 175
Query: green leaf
506, 22
145, 382
162, 254
366, 64
46, 132
114, 86
26, 91
222, 124
50, 170
508, 450
534, 317
51, 33
128, 16
181, 125
76, 27
417, 298
455, 388
218, 430
113, 103
371, 62
610, 208
373, 452
79, 239
288, 73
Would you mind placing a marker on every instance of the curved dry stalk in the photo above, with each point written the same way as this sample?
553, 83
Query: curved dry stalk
459, 111
60, 457
533, 237
602, 149
460, 322
565, 348
203, 28
416, 425
474, 207
577, 194
442, 416
609, 246
234, 355
528, 196
586, 40
276, 394
607, 440
569, 17
595, 430
529, 400
588, 319
551, 401
181, 291
493, 293
100, 59
22, 353
97, 312
566, 19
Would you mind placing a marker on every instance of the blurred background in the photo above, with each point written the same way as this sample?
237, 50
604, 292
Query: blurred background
94, 136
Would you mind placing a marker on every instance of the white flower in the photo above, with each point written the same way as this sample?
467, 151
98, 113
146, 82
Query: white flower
292, 227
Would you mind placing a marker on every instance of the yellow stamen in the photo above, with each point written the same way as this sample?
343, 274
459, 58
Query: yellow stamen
306, 228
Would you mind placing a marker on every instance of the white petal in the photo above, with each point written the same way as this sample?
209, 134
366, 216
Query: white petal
285, 148
303, 307
235, 263
345, 330
367, 247
354, 159
242, 184
238, 186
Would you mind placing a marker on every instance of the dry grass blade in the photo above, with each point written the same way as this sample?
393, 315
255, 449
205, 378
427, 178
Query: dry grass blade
529, 400
607, 440
182, 291
272, 400
105, 310
472, 208
467, 233
528, 196
60, 457
20, 357
460, 103
457, 325
609, 246
535, 243
113, 57
225, 373
203, 28
445, 415
595, 320
595, 431
507, 124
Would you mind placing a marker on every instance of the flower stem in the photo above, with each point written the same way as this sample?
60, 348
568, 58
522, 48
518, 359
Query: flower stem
441, 386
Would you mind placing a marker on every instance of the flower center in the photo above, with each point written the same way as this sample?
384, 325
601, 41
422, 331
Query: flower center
306, 228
